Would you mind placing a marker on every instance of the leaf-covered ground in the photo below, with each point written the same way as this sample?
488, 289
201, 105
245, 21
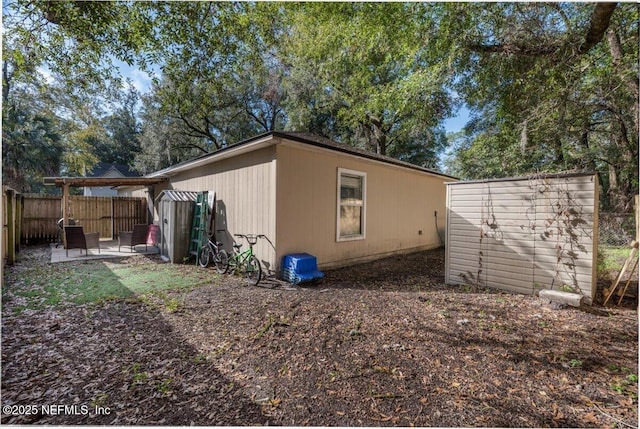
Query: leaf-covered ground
380, 344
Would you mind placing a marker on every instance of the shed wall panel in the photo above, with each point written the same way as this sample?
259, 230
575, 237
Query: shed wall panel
534, 233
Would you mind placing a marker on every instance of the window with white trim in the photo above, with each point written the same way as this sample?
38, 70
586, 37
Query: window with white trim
352, 189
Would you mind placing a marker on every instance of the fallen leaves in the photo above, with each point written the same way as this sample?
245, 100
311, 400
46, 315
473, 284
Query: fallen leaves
589, 419
368, 349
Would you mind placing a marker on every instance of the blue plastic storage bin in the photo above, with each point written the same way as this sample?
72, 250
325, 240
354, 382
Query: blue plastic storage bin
299, 268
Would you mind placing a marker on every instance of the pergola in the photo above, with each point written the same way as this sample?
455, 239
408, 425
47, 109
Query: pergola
67, 182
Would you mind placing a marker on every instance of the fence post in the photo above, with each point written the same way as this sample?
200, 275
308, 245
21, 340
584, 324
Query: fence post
65, 204
149, 205
19, 212
11, 227
113, 220
65, 211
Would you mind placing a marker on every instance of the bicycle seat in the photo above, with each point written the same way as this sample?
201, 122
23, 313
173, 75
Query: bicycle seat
237, 245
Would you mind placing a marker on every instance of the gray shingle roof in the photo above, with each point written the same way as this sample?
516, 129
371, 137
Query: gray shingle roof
101, 168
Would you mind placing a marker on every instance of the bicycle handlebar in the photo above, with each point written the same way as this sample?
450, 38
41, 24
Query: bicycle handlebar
250, 235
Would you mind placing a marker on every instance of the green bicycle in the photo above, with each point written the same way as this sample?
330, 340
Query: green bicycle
245, 262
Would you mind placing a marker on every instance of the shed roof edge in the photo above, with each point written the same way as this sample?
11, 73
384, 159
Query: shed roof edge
532, 177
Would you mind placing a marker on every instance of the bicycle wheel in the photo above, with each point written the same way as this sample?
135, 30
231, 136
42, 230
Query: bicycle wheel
203, 256
253, 272
221, 261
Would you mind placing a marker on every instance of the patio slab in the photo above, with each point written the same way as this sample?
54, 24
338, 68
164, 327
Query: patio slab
108, 249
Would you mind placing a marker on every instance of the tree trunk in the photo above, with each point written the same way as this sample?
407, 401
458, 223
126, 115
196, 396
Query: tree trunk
613, 191
5, 82
616, 53
381, 141
597, 25
632, 83
619, 193
379, 136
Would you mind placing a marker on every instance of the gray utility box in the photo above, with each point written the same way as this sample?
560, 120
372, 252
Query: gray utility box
175, 209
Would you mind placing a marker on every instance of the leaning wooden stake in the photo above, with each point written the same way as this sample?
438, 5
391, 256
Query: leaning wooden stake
633, 270
631, 257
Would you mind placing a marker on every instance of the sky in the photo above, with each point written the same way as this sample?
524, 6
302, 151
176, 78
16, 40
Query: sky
141, 79
457, 123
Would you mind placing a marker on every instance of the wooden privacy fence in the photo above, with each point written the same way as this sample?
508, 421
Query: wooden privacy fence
39, 216
106, 215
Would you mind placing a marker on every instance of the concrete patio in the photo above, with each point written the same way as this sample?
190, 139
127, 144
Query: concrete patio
108, 249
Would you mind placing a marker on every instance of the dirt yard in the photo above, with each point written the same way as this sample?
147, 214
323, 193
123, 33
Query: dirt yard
380, 344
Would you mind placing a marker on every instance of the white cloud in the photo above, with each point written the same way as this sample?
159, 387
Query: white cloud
46, 75
141, 79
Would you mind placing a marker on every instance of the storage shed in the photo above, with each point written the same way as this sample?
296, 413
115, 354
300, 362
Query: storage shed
175, 211
308, 194
524, 234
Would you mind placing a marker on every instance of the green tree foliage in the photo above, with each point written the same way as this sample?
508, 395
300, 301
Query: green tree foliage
31, 144
76, 40
59, 57
553, 88
163, 141
122, 129
220, 80
79, 155
363, 73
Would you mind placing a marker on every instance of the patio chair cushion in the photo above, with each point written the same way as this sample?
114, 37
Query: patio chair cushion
76, 238
133, 238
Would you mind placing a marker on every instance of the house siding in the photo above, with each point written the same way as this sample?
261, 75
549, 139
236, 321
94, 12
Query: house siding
286, 189
400, 202
130, 191
524, 235
245, 192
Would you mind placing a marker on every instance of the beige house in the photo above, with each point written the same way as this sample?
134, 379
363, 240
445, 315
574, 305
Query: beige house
309, 194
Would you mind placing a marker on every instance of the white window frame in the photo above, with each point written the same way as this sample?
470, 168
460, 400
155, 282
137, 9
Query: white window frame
339, 204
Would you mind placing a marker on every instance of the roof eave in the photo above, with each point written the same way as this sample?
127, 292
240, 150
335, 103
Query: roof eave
362, 154
274, 137
254, 143
103, 181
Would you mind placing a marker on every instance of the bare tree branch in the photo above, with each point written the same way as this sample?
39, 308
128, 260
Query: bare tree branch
598, 25
199, 132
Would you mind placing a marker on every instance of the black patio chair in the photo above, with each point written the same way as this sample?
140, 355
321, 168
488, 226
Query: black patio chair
135, 237
76, 238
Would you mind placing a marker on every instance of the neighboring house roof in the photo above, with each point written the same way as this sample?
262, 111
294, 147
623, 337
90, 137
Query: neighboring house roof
101, 169
265, 139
